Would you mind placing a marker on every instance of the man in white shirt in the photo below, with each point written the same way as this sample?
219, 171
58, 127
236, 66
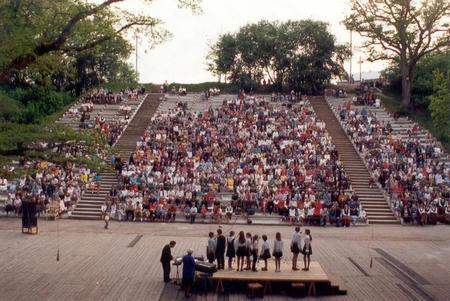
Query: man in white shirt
295, 247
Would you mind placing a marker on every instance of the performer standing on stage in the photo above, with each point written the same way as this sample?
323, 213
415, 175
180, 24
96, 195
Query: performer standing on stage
166, 257
241, 251
278, 251
220, 250
307, 249
295, 247
255, 249
231, 251
265, 251
248, 247
211, 248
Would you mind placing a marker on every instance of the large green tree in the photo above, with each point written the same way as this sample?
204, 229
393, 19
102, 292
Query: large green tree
440, 103
300, 55
403, 30
32, 29
422, 83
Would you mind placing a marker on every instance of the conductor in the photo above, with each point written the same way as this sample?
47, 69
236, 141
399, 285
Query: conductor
166, 257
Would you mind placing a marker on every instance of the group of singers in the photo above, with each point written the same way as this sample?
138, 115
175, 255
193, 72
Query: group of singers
246, 249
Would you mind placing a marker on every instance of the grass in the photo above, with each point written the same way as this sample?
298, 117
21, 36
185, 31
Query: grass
392, 102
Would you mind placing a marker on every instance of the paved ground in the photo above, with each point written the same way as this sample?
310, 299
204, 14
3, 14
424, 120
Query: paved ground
410, 263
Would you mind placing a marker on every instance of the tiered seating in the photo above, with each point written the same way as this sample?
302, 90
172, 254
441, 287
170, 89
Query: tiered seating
413, 194
373, 200
90, 205
188, 119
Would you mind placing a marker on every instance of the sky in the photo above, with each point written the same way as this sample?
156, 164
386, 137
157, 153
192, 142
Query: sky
183, 57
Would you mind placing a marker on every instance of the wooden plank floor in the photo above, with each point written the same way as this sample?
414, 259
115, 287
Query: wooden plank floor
315, 273
97, 264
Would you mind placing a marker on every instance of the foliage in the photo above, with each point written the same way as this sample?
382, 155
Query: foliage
422, 84
31, 104
299, 55
440, 103
39, 31
403, 30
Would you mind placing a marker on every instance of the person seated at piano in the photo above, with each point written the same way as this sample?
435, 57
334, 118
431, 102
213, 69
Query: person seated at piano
188, 272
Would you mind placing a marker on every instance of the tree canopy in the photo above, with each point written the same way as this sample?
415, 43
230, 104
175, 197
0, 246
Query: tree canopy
440, 103
301, 55
49, 35
422, 83
403, 30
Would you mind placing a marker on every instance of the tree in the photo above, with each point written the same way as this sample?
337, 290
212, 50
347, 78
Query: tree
440, 103
406, 30
422, 84
35, 28
300, 55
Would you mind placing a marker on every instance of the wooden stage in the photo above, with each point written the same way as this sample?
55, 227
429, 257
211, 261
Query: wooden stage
310, 278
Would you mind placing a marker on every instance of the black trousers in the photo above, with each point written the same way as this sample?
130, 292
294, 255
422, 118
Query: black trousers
255, 259
166, 271
130, 213
220, 261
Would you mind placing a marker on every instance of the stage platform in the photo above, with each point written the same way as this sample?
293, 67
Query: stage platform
316, 275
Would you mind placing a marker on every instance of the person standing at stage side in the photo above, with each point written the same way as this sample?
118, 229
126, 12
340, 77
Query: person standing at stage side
307, 249
265, 252
211, 248
220, 249
278, 251
295, 247
255, 252
166, 257
231, 251
241, 250
188, 272
248, 247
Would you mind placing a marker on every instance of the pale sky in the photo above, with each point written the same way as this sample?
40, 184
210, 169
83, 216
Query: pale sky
182, 59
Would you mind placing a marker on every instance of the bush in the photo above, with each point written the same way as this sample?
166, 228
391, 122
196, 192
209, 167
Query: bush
32, 104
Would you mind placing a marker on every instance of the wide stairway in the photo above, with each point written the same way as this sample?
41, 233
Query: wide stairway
372, 199
90, 204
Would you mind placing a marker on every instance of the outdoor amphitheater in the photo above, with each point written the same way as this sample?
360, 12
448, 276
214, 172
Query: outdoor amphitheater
224, 150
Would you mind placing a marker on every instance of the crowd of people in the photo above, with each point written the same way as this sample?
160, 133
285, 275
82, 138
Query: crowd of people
272, 159
408, 169
367, 99
55, 188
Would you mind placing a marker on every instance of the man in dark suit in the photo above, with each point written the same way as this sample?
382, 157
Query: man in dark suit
220, 250
166, 257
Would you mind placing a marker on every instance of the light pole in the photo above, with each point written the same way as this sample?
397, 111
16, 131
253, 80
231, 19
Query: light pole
351, 56
360, 64
136, 53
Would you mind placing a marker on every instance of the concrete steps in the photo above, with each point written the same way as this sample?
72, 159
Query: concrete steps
90, 204
372, 199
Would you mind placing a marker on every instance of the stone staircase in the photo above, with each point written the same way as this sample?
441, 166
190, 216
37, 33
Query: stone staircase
372, 199
127, 143
89, 207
